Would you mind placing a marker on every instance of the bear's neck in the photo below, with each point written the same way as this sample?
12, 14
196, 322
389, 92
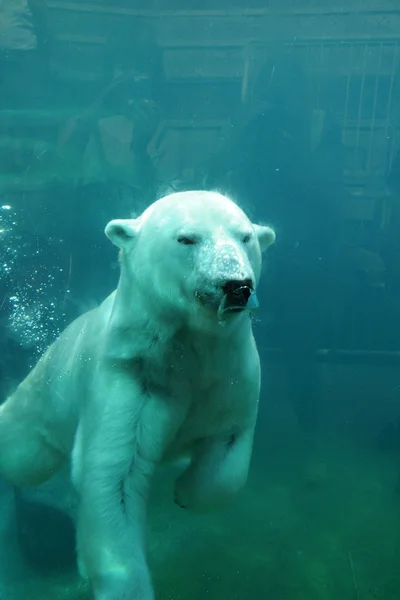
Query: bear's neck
134, 308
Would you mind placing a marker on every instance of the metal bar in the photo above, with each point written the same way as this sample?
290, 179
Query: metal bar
393, 137
360, 106
372, 130
321, 62
389, 105
346, 106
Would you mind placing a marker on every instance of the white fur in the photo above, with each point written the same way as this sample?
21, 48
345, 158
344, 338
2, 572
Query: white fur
148, 375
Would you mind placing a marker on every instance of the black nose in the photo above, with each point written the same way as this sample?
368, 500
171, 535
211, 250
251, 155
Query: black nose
237, 285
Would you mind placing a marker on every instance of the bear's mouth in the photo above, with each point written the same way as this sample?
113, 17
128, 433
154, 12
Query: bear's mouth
239, 296
234, 297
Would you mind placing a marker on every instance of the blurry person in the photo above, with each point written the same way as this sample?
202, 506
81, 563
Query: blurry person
16, 26
103, 155
24, 42
111, 137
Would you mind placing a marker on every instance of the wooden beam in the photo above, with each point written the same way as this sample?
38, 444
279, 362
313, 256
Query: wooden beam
377, 7
175, 31
98, 40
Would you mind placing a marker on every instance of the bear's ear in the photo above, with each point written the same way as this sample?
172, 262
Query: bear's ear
122, 231
265, 235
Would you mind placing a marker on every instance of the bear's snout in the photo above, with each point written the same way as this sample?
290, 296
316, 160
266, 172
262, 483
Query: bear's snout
222, 262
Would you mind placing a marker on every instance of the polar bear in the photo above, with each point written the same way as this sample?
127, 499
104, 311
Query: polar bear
167, 365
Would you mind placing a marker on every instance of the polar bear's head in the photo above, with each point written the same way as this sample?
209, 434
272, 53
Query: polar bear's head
188, 250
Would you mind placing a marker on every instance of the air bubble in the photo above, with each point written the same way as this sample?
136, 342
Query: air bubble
37, 291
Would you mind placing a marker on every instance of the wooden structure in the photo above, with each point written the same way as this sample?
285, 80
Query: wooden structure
352, 50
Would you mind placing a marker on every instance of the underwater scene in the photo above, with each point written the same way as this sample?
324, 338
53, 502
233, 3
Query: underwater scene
200, 299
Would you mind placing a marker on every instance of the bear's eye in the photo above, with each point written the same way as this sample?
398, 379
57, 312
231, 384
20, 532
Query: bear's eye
246, 238
186, 240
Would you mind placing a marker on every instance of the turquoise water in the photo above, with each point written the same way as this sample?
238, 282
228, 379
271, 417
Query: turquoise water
286, 536
293, 109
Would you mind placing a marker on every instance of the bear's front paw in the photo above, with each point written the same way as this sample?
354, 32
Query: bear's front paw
201, 494
120, 586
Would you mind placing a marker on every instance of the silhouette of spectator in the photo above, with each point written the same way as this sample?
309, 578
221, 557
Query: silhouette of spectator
24, 40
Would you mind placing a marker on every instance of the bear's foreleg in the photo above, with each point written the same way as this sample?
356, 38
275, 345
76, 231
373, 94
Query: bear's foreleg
218, 470
122, 439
